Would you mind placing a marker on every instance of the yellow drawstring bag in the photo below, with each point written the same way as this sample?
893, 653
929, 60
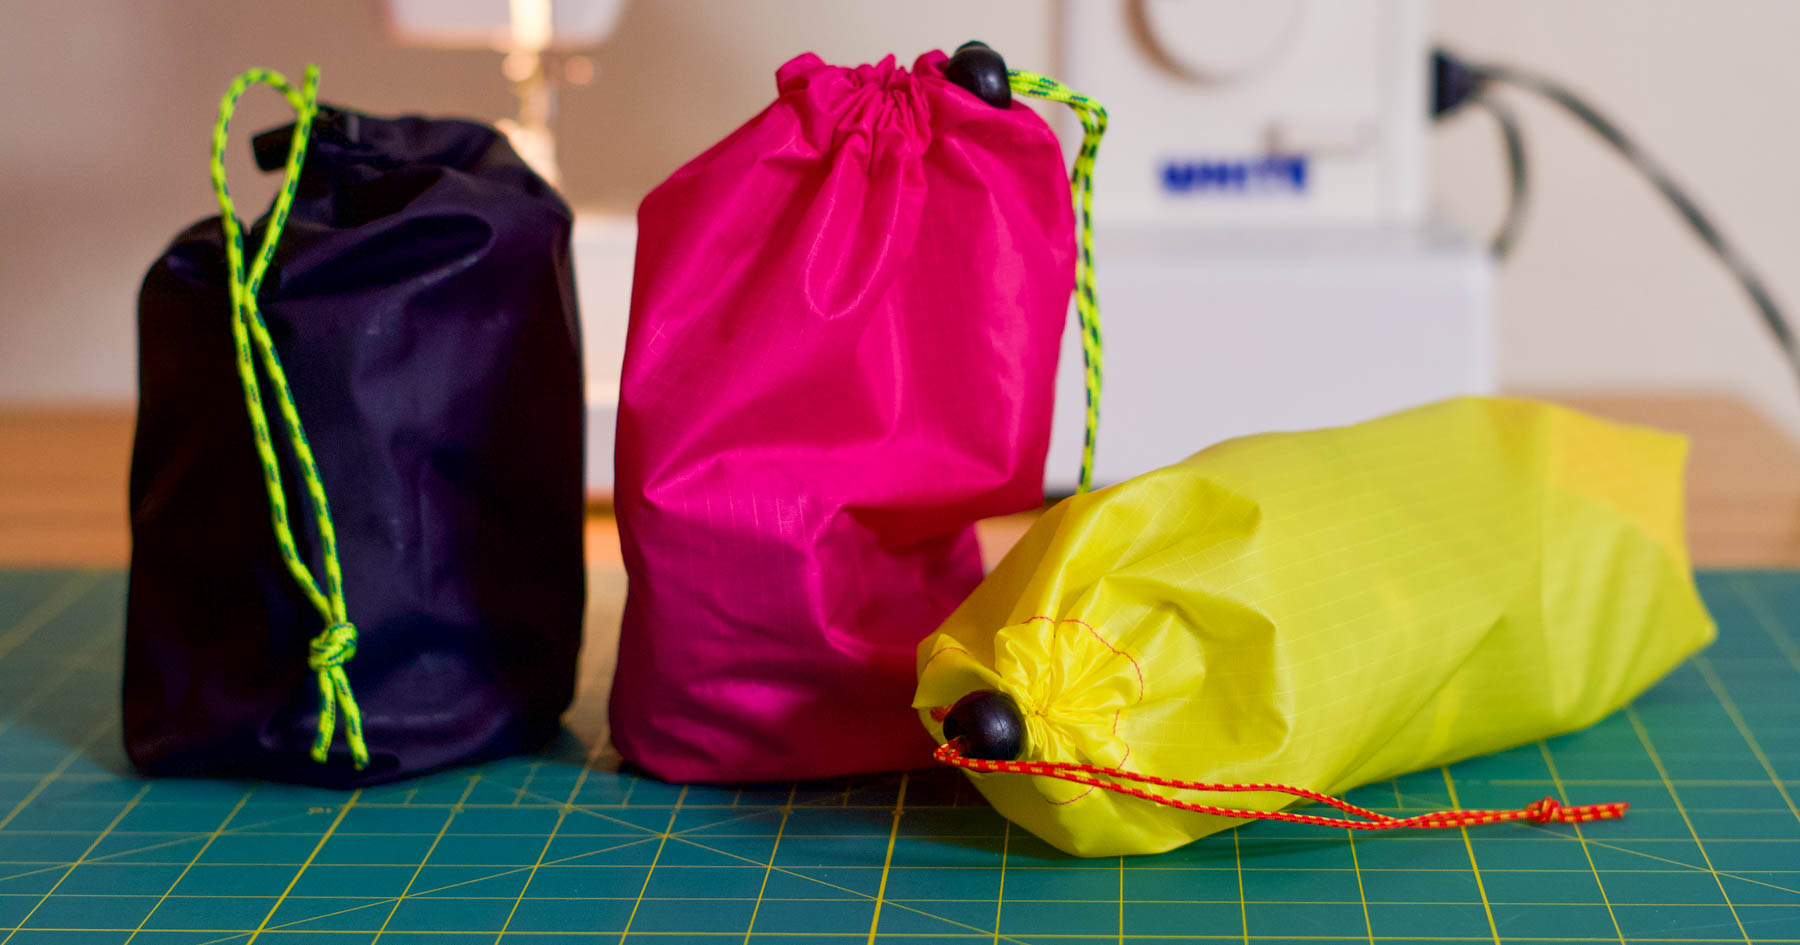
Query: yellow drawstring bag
1321, 610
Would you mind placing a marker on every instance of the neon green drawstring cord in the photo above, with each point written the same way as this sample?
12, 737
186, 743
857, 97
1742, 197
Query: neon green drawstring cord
1087, 306
336, 644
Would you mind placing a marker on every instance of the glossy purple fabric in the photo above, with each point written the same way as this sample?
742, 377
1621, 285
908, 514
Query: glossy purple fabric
843, 342
423, 303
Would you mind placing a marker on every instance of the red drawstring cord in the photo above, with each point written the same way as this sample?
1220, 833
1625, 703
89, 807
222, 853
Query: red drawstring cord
1546, 811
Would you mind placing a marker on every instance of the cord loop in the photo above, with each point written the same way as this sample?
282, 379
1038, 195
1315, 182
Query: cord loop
1081, 183
336, 644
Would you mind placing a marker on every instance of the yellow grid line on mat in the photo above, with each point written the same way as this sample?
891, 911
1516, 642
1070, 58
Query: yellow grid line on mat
523, 797
549, 841
649, 834
1474, 867
1000, 895
525, 786
661, 844
444, 828
1237, 856
49, 609
74, 755
854, 895
323, 839
1045, 936
787, 810
1759, 611
117, 818
1563, 795
385, 900
887, 864
217, 831
85, 659
1121, 900
1737, 719
1363, 897
161, 844
1637, 725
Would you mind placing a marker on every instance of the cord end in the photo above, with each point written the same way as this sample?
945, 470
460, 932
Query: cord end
982, 71
988, 725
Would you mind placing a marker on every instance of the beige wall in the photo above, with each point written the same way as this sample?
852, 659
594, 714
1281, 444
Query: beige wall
108, 107
1606, 288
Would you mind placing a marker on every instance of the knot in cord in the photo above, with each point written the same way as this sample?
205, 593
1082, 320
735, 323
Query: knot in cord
326, 655
1548, 810
333, 647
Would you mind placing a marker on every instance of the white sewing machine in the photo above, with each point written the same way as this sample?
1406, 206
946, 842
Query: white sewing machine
1263, 255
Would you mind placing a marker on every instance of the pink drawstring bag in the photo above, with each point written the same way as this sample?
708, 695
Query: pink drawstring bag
844, 332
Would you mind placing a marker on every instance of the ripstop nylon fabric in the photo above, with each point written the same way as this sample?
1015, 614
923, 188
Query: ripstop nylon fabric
844, 332
1327, 609
414, 278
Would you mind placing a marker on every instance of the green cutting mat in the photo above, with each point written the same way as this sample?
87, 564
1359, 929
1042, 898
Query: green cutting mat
544, 850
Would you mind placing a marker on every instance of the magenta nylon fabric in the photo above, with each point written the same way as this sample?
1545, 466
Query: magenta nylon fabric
844, 332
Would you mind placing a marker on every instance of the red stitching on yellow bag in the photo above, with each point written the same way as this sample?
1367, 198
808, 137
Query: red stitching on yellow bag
1135, 666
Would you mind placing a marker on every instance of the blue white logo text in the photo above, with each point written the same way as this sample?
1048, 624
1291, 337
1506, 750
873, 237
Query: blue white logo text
1268, 174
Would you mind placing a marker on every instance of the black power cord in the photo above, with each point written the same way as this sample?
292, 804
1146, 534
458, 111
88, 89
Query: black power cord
1457, 83
1518, 181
